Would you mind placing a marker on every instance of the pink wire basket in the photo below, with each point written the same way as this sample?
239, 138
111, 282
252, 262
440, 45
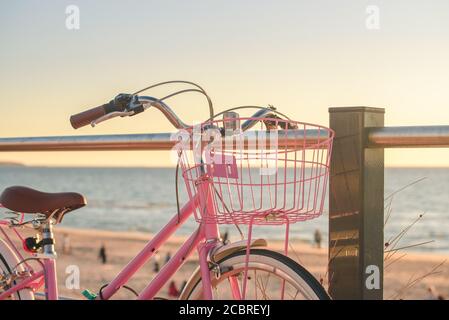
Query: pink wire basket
274, 173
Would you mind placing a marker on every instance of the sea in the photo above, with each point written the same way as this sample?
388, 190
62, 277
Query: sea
143, 199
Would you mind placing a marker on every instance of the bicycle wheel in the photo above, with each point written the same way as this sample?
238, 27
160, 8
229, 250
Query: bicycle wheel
8, 260
271, 276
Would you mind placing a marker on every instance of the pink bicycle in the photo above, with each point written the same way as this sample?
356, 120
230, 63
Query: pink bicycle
261, 170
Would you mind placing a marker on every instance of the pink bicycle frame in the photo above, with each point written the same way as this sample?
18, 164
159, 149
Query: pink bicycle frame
204, 239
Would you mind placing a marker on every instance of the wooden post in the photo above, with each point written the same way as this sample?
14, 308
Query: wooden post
356, 206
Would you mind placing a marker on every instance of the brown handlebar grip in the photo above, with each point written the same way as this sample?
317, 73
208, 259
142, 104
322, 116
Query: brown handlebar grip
86, 117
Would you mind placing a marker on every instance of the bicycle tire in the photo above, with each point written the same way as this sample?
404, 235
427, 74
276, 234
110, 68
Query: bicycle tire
272, 260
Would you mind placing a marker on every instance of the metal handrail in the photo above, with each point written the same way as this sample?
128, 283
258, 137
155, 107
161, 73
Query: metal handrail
152, 141
408, 137
381, 137
158, 141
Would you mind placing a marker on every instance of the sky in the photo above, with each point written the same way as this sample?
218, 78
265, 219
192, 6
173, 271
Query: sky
301, 56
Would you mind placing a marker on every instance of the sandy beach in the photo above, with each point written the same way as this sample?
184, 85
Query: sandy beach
401, 277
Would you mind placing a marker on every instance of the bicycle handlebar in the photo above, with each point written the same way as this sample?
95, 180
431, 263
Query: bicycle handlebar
129, 105
87, 117
166, 111
117, 106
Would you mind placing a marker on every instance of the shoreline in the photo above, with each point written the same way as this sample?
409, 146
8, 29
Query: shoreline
122, 246
146, 236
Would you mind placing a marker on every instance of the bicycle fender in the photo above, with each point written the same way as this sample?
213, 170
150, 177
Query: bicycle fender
227, 249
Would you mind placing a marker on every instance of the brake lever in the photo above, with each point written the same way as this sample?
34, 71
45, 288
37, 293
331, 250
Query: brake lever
111, 115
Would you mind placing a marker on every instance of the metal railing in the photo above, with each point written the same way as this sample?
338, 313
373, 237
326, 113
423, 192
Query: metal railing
152, 141
156, 141
408, 137
381, 137
356, 205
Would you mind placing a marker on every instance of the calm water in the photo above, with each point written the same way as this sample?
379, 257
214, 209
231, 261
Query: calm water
143, 199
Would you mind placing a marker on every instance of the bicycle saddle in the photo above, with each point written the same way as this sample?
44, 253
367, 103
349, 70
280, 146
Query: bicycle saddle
27, 200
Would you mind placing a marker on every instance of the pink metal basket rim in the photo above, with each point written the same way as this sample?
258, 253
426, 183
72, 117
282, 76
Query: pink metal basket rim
311, 125
258, 217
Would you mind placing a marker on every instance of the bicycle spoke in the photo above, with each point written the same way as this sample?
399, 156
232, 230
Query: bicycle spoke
263, 288
282, 289
255, 287
293, 296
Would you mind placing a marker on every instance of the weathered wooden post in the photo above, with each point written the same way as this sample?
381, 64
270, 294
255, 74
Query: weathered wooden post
356, 206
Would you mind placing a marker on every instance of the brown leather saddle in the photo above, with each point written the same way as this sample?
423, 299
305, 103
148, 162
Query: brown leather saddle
27, 200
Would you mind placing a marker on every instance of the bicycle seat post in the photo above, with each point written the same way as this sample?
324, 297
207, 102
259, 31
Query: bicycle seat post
48, 242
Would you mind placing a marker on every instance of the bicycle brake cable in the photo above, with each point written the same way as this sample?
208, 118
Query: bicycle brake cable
201, 90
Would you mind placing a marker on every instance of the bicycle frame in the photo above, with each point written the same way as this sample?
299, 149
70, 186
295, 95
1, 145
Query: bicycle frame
205, 238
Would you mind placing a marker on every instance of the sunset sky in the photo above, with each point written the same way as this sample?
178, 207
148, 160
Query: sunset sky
301, 56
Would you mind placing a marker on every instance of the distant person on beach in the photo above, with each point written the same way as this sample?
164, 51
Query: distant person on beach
156, 266
317, 238
102, 254
66, 248
432, 294
225, 237
172, 290
167, 257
